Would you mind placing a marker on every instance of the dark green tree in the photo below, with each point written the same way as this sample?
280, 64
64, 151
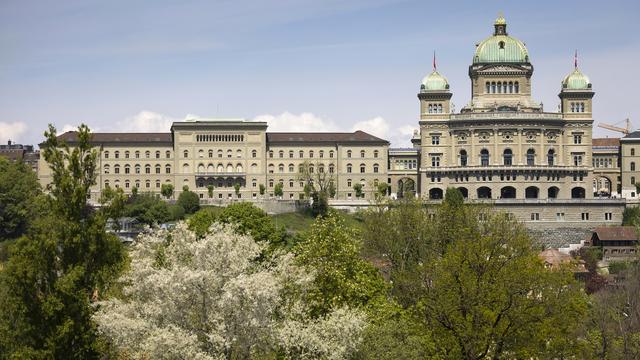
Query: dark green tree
236, 187
262, 189
277, 190
189, 201
167, 190
66, 261
357, 187
210, 188
20, 195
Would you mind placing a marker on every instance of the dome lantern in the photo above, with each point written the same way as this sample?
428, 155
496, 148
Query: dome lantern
500, 47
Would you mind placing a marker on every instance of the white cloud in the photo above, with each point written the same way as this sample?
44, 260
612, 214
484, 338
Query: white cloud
305, 122
146, 121
377, 126
12, 131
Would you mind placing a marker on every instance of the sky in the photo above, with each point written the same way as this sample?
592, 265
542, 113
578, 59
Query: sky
303, 65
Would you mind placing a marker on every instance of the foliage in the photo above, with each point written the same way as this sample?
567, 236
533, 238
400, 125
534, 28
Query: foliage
381, 190
332, 190
236, 187
66, 260
20, 195
594, 282
147, 209
167, 190
320, 205
210, 188
189, 201
617, 267
262, 189
208, 299
277, 190
332, 250
631, 216
357, 187
490, 296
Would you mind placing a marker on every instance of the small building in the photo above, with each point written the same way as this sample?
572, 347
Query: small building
21, 153
616, 242
555, 259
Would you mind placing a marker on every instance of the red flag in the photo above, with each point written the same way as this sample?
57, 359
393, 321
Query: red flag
434, 61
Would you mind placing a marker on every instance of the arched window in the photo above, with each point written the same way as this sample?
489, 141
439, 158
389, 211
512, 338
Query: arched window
375, 168
321, 154
311, 153
157, 154
531, 157
349, 168
376, 153
290, 154
167, 169
281, 168
106, 183
126, 154
507, 157
331, 154
238, 153
331, 169
270, 183
301, 154
499, 87
463, 157
270, 154
185, 154
321, 169
633, 152
430, 109
229, 153
127, 169
210, 168
239, 168
106, 169
484, 157
440, 108
348, 153
280, 154
633, 166
254, 153
633, 180
516, 87
362, 153
137, 154
137, 167
200, 168
311, 169
210, 153
510, 87
493, 87
573, 107
488, 87
220, 153
106, 154
220, 168
363, 168
229, 168
301, 168
116, 169
291, 168
185, 168
116, 154
167, 154
290, 182
158, 168
550, 157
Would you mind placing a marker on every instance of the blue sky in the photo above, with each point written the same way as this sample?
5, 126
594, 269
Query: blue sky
314, 65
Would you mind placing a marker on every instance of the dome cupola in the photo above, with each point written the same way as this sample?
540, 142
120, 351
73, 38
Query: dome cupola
500, 47
434, 82
576, 80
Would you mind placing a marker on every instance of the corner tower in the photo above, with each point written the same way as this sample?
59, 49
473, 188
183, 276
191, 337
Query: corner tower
576, 95
501, 74
435, 97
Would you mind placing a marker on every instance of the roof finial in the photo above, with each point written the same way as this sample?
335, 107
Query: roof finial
435, 67
575, 59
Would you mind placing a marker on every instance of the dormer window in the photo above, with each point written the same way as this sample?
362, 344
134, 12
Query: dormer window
501, 44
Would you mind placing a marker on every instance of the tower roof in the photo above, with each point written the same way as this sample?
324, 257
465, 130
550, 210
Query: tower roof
500, 47
434, 82
576, 80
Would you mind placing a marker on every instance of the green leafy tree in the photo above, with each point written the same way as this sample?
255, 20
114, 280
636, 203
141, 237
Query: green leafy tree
357, 187
210, 188
308, 189
277, 190
20, 195
343, 278
167, 190
320, 205
134, 191
236, 187
490, 296
66, 261
382, 189
262, 189
189, 201
185, 188
332, 190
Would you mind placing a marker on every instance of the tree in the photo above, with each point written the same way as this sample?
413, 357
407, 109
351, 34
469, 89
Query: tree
208, 298
185, 188
277, 190
490, 296
147, 209
343, 278
236, 187
20, 194
382, 189
167, 190
262, 189
66, 260
357, 187
210, 188
189, 201
320, 205
332, 190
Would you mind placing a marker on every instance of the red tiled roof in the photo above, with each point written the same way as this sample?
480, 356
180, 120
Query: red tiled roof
334, 137
71, 137
627, 233
605, 142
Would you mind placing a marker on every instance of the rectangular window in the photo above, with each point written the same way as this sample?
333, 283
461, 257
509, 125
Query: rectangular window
559, 216
435, 161
585, 216
577, 160
608, 216
435, 140
535, 216
577, 139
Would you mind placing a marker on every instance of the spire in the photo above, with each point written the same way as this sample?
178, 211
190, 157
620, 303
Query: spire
500, 25
575, 60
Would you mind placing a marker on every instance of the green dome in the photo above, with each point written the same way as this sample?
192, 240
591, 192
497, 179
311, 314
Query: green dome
434, 82
501, 48
576, 81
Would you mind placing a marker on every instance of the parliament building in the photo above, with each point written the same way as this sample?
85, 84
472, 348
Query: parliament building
501, 147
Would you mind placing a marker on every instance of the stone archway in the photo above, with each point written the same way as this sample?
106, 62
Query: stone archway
531, 192
406, 188
508, 192
484, 192
577, 193
602, 186
435, 194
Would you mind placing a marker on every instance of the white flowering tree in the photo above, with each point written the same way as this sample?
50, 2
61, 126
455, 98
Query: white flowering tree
210, 298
